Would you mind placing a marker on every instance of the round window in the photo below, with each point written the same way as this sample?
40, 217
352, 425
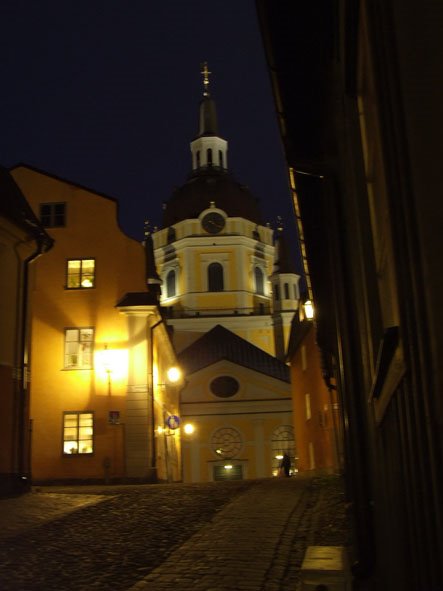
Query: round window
224, 386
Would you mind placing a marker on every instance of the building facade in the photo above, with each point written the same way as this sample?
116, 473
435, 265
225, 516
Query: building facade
363, 145
100, 348
317, 416
22, 241
217, 261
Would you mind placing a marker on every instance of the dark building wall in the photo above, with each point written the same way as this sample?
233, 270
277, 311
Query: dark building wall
372, 221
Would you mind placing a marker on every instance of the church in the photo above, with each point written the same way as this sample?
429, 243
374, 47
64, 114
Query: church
230, 294
212, 293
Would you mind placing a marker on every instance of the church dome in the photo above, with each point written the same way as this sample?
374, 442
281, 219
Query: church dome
204, 186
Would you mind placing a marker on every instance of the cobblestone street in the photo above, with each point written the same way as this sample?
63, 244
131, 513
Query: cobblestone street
219, 536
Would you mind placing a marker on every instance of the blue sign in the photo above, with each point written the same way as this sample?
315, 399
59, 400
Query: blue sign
173, 421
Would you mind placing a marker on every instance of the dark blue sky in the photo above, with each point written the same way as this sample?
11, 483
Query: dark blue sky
105, 93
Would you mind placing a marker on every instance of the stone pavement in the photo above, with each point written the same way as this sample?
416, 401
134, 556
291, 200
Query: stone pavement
224, 536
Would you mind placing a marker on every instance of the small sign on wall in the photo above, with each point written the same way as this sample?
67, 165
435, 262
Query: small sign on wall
173, 422
114, 417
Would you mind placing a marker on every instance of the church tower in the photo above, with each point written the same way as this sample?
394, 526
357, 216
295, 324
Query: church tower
214, 254
216, 260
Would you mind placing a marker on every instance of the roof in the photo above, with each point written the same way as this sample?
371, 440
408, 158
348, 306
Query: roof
222, 344
14, 207
204, 186
138, 298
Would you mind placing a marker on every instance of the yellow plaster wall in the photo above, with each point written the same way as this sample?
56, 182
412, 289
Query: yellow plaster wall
92, 231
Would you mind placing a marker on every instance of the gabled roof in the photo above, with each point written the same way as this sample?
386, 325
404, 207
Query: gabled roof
14, 207
222, 344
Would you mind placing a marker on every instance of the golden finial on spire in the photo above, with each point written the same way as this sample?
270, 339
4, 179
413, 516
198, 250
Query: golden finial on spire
205, 72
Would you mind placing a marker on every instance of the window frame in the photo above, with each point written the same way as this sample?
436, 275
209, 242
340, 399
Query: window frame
71, 367
78, 440
82, 275
52, 214
214, 282
259, 283
171, 273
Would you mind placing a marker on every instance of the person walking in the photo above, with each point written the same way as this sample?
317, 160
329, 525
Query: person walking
285, 464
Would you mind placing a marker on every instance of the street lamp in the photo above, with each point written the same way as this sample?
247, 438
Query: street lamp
189, 428
309, 309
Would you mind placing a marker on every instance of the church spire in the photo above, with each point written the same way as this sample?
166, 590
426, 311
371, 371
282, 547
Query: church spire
205, 73
208, 149
208, 113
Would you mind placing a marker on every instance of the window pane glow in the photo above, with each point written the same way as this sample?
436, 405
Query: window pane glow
77, 433
79, 348
80, 273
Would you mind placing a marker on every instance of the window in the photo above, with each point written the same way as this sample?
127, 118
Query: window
171, 235
198, 158
215, 277
224, 386
52, 215
259, 283
80, 274
209, 156
286, 286
276, 292
78, 430
170, 284
220, 158
226, 443
79, 344
308, 406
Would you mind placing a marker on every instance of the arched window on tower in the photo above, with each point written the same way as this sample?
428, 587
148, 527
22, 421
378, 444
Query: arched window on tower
198, 158
215, 277
286, 291
220, 159
259, 283
276, 292
209, 156
170, 284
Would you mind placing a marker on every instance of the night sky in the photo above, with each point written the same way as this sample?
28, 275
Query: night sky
105, 94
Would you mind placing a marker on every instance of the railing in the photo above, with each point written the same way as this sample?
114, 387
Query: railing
260, 310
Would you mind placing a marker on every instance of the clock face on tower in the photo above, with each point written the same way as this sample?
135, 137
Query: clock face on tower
213, 222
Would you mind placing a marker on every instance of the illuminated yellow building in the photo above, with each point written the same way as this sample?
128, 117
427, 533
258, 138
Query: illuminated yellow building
220, 269
100, 349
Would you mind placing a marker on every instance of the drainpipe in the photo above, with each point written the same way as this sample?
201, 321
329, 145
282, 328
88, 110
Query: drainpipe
43, 245
151, 385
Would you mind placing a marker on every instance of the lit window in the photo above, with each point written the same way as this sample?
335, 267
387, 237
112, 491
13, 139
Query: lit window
215, 277
80, 274
170, 284
259, 283
52, 215
308, 406
79, 343
78, 431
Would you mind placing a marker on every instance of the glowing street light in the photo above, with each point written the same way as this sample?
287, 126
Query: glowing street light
309, 310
